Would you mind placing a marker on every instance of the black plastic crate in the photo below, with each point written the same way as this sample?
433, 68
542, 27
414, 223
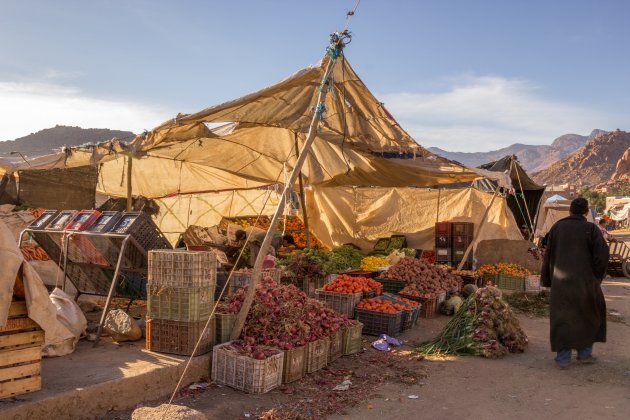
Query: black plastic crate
390, 285
463, 228
43, 220
444, 228
443, 254
377, 323
61, 220
442, 241
397, 242
105, 222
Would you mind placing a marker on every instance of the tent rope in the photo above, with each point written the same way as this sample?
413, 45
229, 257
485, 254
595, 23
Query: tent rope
529, 217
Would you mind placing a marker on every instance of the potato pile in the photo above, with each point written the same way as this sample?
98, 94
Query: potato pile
422, 276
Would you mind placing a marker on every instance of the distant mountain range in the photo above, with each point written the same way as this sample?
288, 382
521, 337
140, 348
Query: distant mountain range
591, 165
533, 158
45, 141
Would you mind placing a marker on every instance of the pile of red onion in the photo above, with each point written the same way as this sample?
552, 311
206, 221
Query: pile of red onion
283, 316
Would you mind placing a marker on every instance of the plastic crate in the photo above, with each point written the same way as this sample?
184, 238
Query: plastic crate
83, 220
513, 283
335, 351
444, 228
182, 268
463, 228
224, 324
410, 316
390, 285
105, 222
429, 307
180, 303
487, 278
143, 229
61, 220
308, 287
21, 341
352, 339
397, 242
377, 323
532, 283
317, 354
294, 366
245, 373
179, 337
344, 303
366, 274
43, 220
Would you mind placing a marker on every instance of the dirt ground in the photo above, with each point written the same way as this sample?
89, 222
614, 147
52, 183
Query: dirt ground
521, 386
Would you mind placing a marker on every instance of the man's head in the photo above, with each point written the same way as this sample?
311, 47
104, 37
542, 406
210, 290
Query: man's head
602, 222
288, 240
579, 206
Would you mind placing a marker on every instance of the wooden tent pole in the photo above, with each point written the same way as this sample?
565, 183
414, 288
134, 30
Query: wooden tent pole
482, 223
239, 323
303, 197
437, 213
129, 191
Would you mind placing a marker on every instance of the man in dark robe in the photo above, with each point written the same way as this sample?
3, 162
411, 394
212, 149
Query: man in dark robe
575, 264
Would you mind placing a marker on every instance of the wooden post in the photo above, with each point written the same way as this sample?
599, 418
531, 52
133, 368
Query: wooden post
478, 232
129, 196
312, 131
437, 213
303, 198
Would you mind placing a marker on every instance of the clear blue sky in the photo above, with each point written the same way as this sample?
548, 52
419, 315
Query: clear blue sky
463, 75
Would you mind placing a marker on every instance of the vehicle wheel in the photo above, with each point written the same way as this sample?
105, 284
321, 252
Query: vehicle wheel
625, 268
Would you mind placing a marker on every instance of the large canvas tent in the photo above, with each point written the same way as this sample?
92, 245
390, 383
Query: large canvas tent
251, 143
525, 201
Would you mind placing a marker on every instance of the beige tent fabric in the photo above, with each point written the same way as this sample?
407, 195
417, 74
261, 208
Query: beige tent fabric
40, 308
179, 212
551, 212
362, 215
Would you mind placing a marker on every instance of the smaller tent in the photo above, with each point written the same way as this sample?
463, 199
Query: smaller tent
525, 201
551, 211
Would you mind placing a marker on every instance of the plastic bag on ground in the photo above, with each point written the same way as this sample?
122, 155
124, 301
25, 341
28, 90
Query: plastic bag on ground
70, 315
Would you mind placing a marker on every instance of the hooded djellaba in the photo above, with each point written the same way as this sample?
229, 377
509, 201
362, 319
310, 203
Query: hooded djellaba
575, 264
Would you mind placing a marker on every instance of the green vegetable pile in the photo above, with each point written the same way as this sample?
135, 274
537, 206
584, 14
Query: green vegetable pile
483, 326
338, 260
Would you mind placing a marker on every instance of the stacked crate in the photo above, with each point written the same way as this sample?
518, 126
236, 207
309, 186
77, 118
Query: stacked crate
21, 341
451, 241
180, 300
463, 233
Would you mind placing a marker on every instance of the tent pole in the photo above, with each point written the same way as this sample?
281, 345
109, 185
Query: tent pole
481, 225
437, 213
129, 196
239, 323
303, 198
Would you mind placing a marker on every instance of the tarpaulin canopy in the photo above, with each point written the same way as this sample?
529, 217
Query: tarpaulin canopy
552, 211
358, 143
362, 215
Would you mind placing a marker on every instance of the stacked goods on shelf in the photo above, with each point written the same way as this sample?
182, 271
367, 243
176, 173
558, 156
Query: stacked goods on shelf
21, 341
247, 367
380, 316
180, 300
484, 326
284, 317
344, 292
506, 276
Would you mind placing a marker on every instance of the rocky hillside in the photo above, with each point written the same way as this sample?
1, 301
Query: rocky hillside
44, 141
532, 157
593, 164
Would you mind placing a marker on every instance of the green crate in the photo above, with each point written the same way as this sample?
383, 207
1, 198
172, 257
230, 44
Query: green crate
224, 324
317, 354
335, 351
352, 337
513, 283
294, 367
180, 303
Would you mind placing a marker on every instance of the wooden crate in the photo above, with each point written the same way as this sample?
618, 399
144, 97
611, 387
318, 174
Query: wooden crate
21, 341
